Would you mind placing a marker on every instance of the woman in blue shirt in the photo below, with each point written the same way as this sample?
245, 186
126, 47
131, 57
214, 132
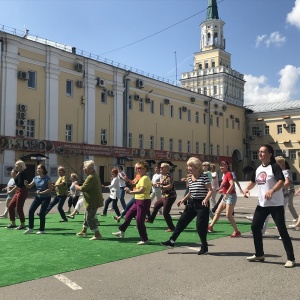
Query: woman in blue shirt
43, 196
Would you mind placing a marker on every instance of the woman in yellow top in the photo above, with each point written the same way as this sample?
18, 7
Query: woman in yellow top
61, 189
140, 206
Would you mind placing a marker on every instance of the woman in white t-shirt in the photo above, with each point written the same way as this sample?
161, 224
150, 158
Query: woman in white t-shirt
214, 184
270, 180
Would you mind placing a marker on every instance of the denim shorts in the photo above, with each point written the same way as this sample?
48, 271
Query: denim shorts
230, 199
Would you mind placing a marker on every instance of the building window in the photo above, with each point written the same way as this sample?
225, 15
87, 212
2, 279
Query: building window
141, 141
227, 150
197, 148
217, 121
103, 137
254, 155
215, 90
130, 140
254, 130
211, 120
197, 117
267, 130
151, 142
188, 147
278, 153
189, 115
180, 113
218, 150
293, 154
69, 88
211, 149
129, 103
232, 124
205, 91
103, 97
200, 66
152, 107
32, 80
141, 104
227, 123
30, 128
161, 109
179, 145
204, 148
171, 111
206, 65
162, 143
213, 64
68, 133
293, 128
171, 144
204, 119
279, 129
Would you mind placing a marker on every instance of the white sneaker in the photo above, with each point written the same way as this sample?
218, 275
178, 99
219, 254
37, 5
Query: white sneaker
289, 264
110, 208
119, 234
294, 220
40, 232
143, 242
249, 218
256, 258
28, 231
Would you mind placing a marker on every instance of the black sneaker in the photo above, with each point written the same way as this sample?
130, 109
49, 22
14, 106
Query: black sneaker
203, 250
11, 226
168, 244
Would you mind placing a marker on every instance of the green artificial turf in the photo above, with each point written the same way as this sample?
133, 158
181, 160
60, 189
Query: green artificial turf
59, 250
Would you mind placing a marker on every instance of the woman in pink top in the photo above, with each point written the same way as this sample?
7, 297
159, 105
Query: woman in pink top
229, 199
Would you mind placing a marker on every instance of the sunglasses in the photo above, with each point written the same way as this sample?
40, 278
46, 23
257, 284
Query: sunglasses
140, 168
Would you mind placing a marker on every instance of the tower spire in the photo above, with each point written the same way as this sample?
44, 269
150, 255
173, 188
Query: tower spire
212, 10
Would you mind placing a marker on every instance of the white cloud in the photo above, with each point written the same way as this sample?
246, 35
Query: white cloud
274, 38
294, 16
257, 89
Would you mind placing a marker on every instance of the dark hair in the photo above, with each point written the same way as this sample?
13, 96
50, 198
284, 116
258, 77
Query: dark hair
270, 150
120, 167
287, 166
44, 169
226, 164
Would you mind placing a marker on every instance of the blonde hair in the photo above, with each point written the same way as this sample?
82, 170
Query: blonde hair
165, 165
195, 162
143, 164
280, 159
89, 164
74, 175
61, 168
21, 163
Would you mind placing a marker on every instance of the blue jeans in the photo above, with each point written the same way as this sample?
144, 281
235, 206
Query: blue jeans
61, 201
128, 206
122, 197
114, 204
44, 202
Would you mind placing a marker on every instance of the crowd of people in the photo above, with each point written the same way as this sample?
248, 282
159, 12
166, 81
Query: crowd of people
272, 177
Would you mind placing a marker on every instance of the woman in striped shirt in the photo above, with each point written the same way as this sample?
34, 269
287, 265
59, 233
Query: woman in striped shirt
198, 205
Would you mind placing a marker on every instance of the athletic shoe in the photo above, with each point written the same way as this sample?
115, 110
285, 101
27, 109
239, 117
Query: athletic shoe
236, 234
81, 234
168, 244
28, 231
256, 258
70, 217
20, 227
119, 234
210, 228
294, 220
203, 250
143, 242
289, 264
95, 238
110, 208
40, 232
11, 226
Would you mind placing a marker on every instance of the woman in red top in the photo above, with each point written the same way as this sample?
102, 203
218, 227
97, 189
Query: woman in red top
229, 199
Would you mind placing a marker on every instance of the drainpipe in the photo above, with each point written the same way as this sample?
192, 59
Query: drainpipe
125, 108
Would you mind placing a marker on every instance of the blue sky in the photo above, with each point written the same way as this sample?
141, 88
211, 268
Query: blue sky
263, 36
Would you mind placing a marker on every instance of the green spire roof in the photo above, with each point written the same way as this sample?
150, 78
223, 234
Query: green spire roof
212, 10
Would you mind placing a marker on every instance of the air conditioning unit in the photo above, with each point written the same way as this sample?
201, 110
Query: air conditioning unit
20, 132
216, 105
231, 116
205, 102
136, 97
148, 100
166, 101
224, 107
184, 108
110, 93
103, 142
245, 141
221, 113
252, 137
216, 112
80, 84
23, 75
21, 122
139, 83
193, 99
285, 153
237, 120
78, 67
23, 107
206, 110
100, 82
285, 125
22, 115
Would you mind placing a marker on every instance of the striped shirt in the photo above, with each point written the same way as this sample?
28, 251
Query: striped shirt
197, 188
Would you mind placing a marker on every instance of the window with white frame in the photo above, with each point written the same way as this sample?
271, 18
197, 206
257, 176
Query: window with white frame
69, 133
103, 136
151, 142
171, 110
162, 143
279, 129
215, 90
171, 144
130, 140
179, 145
293, 154
197, 117
267, 130
69, 88
293, 128
278, 152
152, 106
31, 83
161, 109
197, 150
141, 104
188, 147
254, 130
141, 141
254, 155
30, 130
103, 97
204, 148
